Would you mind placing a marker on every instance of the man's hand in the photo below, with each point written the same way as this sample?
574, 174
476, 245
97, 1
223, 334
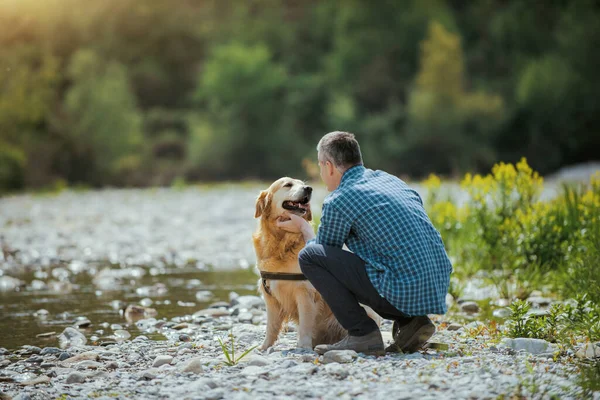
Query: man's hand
293, 223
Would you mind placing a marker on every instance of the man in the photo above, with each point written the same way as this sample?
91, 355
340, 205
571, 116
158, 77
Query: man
397, 265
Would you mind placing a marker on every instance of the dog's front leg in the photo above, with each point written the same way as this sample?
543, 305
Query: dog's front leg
307, 311
274, 321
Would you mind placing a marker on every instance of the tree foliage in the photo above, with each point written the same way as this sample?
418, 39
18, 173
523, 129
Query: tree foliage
132, 92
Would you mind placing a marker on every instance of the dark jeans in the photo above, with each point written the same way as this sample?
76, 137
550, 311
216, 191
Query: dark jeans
341, 278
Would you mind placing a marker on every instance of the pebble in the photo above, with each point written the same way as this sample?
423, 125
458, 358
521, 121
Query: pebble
71, 337
86, 356
501, 313
589, 351
30, 349
532, 346
88, 364
150, 374
111, 365
185, 338
212, 312
45, 335
469, 307
75, 377
539, 301
257, 360
36, 381
245, 317
339, 356
63, 356
248, 302
161, 360
193, 365
82, 323
454, 327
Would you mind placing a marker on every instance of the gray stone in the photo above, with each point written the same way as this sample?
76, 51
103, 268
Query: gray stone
469, 307
36, 381
257, 360
82, 323
532, 346
454, 327
150, 374
64, 356
193, 365
212, 312
71, 337
339, 356
185, 338
337, 370
219, 304
245, 317
539, 301
75, 377
88, 355
31, 349
162, 360
88, 364
252, 370
8, 283
501, 313
589, 351
248, 302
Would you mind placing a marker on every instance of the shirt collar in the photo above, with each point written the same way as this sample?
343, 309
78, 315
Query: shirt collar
351, 173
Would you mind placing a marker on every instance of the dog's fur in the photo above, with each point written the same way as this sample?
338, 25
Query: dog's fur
277, 251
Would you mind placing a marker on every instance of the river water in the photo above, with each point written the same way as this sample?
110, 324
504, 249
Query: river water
88, 254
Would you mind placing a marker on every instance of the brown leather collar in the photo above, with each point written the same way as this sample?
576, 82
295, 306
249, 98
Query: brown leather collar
279, 276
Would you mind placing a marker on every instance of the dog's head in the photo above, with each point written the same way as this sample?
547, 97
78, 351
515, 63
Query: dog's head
284, 195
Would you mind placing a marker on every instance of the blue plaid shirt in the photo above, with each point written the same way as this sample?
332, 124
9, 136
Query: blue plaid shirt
383, 221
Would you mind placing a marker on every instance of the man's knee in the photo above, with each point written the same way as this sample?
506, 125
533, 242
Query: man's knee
307, 256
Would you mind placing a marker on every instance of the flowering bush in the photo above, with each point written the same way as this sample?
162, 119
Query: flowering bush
506, 232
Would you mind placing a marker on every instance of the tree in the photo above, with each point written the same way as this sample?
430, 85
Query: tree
103, 117
448, 126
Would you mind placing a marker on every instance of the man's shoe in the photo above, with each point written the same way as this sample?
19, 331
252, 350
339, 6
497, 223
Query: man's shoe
412, 335
371, 343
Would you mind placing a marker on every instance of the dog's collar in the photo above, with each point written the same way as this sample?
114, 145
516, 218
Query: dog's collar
279, 276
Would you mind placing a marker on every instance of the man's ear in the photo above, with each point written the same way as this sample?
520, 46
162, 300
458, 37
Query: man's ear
262, 202
330, 167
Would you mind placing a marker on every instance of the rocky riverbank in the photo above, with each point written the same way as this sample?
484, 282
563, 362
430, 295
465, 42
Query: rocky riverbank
190, 364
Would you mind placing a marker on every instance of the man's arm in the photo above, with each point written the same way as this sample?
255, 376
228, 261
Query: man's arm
333, 229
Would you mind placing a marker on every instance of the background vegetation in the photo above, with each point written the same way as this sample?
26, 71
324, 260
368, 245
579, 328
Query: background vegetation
127, 92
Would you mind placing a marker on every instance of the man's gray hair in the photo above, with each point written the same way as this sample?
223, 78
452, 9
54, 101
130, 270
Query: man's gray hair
341, 149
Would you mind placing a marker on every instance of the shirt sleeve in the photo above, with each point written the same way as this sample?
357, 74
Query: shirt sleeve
334, 228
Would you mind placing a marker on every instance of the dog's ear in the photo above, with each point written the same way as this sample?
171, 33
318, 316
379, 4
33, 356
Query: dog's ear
308, 215
262, 202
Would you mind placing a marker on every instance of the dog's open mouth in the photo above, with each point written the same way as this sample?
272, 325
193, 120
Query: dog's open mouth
298, 207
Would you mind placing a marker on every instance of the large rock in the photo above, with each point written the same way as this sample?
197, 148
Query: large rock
71, 337
532, 346
589, 350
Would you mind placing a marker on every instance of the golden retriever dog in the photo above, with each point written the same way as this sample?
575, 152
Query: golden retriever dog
277, 252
